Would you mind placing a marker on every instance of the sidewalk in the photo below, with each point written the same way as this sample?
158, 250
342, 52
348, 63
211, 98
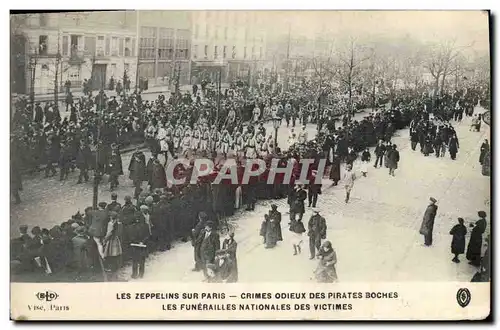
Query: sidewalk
79, 93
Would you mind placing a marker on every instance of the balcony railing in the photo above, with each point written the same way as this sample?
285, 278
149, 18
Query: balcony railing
76, 57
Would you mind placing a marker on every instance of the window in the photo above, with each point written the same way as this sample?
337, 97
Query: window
224, 50
244, 52
166, 44
128, 47
113, 69
195, 51
147, 43
42, 45
182, 44
207, 33
43, 19
100, 45
114, 46
108, 46
133, 47
65, 45
225, 33
233, 55
260, 52
120, 47
196, 31
126, 67
90, 45
216, 32
206, 52
216, 51
76, 44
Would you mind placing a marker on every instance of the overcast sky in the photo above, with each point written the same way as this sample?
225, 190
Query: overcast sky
465, 26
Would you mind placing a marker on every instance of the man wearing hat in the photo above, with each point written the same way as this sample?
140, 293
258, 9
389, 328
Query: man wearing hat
195, 233
313, 189
98, 226
428, 221
476, 240
114, 205
138, 235
209, 244
316, 232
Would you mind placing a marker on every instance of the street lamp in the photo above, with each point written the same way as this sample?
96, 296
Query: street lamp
276, 125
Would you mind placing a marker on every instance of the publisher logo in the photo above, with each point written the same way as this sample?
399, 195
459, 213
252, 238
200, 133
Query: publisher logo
47, 296
463, 297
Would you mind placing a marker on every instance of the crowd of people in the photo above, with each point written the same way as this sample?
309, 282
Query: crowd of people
203, 124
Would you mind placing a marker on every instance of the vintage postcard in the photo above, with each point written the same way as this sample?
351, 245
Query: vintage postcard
250, 165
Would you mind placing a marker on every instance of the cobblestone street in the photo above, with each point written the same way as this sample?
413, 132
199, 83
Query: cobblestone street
376, 235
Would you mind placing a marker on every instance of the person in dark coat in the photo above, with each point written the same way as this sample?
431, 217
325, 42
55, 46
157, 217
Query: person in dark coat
196, 242
114, 169
379, 152
414, 137
137, 170
270, 231
38, 113
485, 148
316, 232
427, 145
393, 158
127, 211
156, 175
313, 190
114, 205
428, 222
437, 145
458, 242
476, 240
138, 235
453, 146
83, 159
209, 242
335, 170
297, 207
229, 248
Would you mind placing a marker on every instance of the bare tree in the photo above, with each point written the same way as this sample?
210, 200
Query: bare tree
440, 59
350, 67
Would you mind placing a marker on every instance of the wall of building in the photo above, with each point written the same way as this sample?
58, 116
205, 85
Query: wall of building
228, 36
81, 40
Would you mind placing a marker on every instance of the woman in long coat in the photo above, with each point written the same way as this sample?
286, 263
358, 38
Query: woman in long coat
453, 146
229, 247
270, 231
158, 178
485, 147
112, 243
476, 240
326, 272
335, 170
137, 166
458, 242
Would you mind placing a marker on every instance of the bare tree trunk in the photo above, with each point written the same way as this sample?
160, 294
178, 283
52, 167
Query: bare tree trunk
32, 81
443, 82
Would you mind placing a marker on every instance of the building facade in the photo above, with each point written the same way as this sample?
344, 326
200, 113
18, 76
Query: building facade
165, 47
52, 48
57, 47
229, 43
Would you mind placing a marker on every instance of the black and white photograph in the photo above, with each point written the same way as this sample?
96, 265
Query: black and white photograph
245, 147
